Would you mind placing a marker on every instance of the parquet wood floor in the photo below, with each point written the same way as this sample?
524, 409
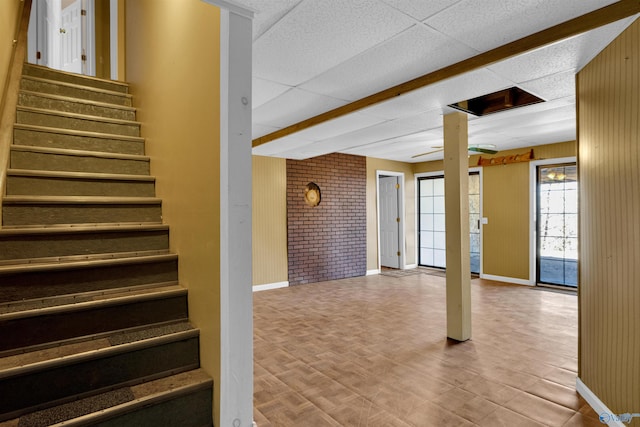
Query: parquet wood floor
372, 351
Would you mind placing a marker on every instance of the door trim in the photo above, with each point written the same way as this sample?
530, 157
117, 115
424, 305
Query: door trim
533, 206
401, 225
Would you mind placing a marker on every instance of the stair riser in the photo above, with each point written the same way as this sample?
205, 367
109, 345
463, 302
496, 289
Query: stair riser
32, 285
38, 389
61, 245
32, 331
44, 214
31, 160
74, 92
45, 186
62, 122
47, 73
74, 142
197, 405
36, 101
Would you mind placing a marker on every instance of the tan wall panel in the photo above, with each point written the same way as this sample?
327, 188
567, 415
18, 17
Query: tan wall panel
103, 49
609, 168
505, 196
269, 220
374, 165
173, 65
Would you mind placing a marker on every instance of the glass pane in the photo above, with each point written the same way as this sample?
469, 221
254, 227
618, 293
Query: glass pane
571, 248
474, 204
426, 256
426, 239
571, 225
474, 219
426, 222
552, 270
474, 243
426, 204
438, 204
438, 187
552, 247
438, 222
475, 263
571, 272
551, 225
439, 258
426, 187
474, 184
439, 240
552, 202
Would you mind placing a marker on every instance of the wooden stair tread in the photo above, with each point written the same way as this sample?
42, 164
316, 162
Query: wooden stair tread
66, 354
85, 153
77, 116
18, 231
85, 261
25, 126
144, 395
79, 175
77, 86
100, 200
45, 306
28, 65
78, 100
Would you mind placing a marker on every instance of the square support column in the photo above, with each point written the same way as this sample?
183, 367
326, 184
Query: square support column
456, 195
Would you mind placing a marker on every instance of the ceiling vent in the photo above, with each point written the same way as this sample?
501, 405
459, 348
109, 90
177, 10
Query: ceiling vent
495, 102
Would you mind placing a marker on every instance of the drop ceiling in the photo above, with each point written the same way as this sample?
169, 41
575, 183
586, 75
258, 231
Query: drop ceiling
311, 56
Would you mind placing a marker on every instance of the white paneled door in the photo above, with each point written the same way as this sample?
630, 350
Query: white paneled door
389, 187
71, 38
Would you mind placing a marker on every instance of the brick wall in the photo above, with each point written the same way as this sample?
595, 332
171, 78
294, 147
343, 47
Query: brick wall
327, 241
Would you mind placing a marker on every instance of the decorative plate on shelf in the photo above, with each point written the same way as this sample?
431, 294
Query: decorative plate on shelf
312, 194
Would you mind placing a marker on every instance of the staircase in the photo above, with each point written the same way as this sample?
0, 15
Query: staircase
94, 326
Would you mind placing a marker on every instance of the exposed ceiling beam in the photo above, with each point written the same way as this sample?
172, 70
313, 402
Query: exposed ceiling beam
587, 22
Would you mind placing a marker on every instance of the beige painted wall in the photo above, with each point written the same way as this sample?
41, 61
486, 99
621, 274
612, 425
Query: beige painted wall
609, 167
269, 220
506, 204
374, 165
173, 66
9, 10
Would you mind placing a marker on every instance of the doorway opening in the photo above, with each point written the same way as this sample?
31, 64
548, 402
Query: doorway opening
390, 219
431, 221
557, 224
74, 36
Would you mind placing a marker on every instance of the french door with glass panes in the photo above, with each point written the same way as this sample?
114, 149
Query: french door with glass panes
557, 225
431, 223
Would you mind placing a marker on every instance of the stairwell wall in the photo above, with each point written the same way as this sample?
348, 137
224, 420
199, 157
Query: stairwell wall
173, 66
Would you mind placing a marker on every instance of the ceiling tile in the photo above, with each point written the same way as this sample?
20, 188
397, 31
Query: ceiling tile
487, 24
318, 35
469, 85
293, 106
264, 91
417, 51
567, 55
287, 143
339, 126
258, 130
420, 9
267, 13
552, 87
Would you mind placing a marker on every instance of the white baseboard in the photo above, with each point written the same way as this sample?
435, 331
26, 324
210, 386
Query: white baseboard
269, 286
606, 416
506, 279
410, 266
373, 272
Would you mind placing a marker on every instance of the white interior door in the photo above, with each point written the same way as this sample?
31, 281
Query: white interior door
389, 221
71, 37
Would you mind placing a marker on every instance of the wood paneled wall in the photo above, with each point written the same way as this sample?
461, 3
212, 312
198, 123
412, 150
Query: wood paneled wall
609, 168
269, 220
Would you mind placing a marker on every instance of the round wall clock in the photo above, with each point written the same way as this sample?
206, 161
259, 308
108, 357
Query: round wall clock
312, 194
